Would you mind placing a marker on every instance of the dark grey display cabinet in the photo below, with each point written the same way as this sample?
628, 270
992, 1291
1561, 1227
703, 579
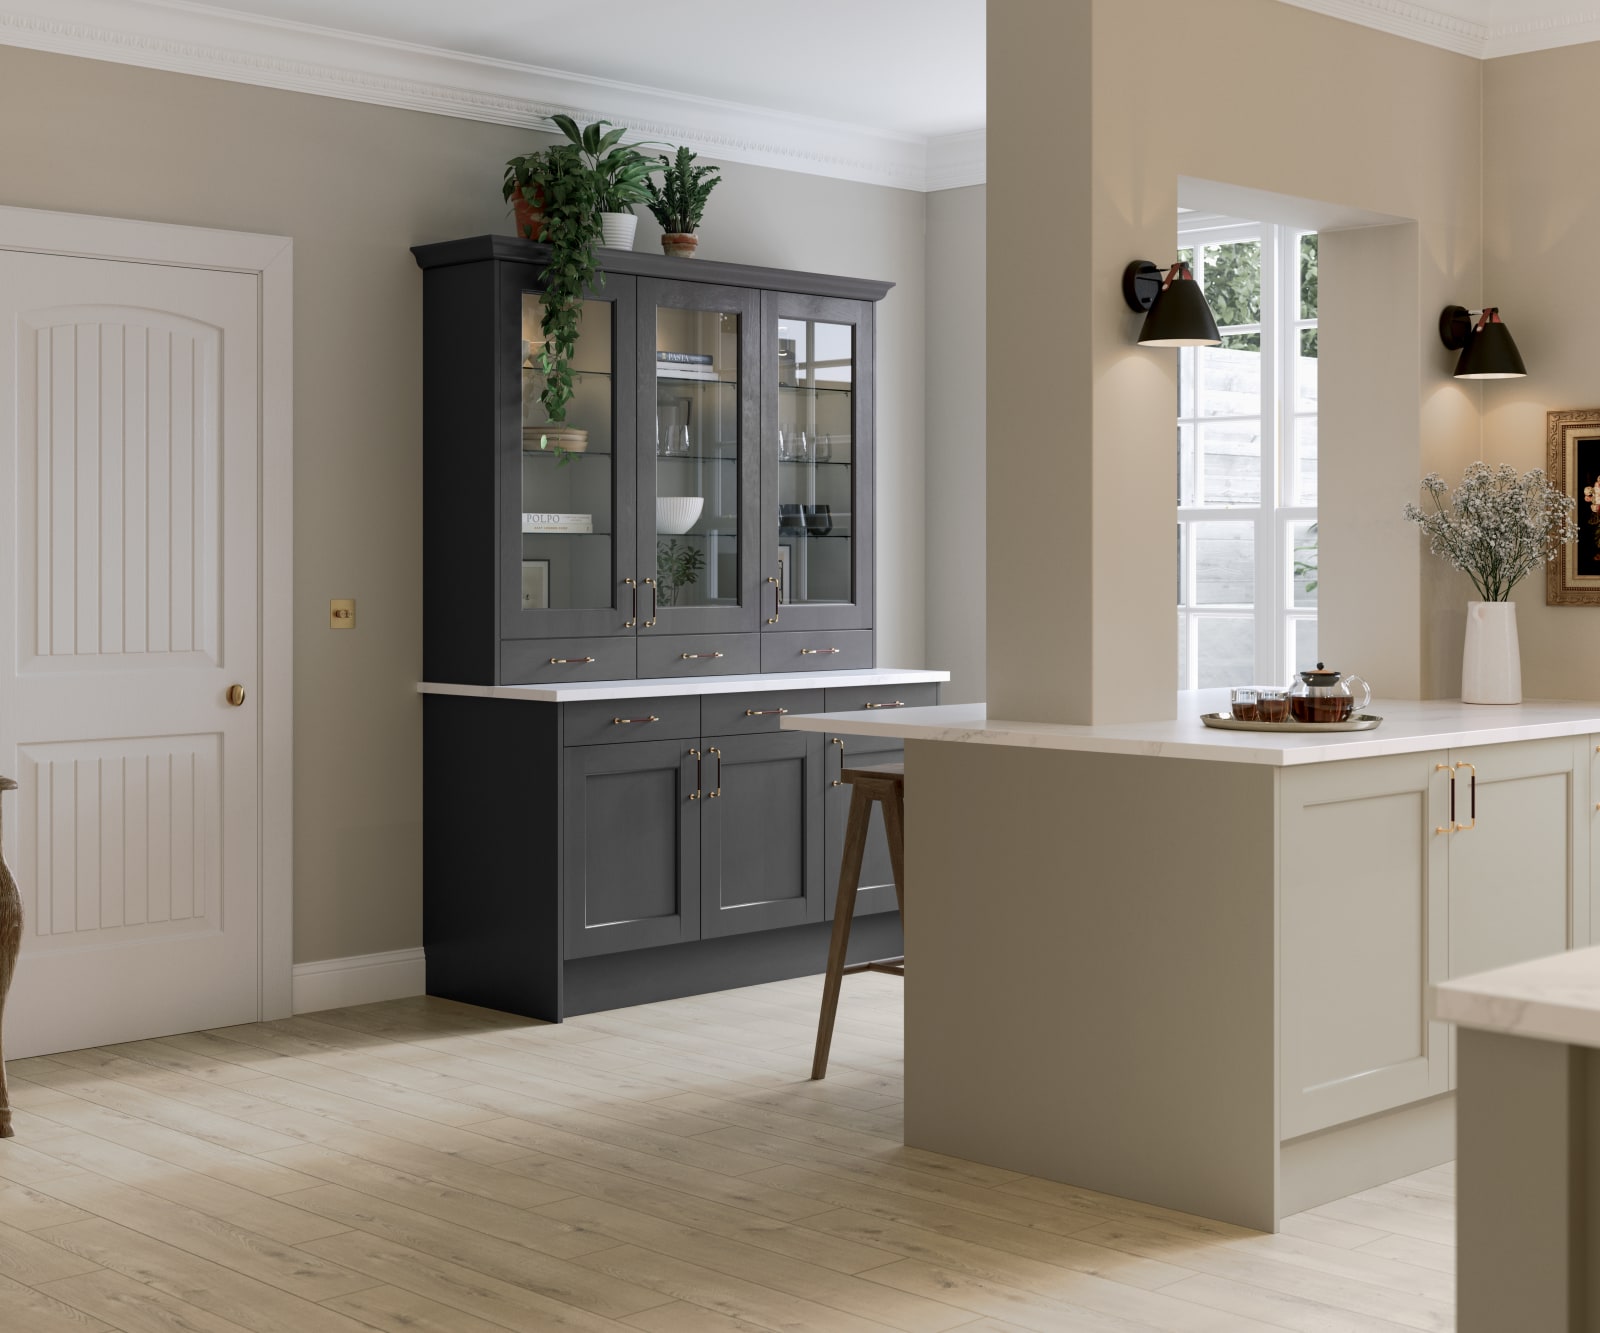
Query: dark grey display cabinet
613, 630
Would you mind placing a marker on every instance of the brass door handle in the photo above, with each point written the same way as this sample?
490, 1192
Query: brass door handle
765, 712
570, 661
898, 703
1445, 768
655, 604
717, 790
817, 652
624, 721
695, 794
690, 657
838, 781
777, 601
236, 695
1472, 789
632, 620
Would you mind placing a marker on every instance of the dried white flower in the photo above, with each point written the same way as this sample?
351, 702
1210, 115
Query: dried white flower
1498, 526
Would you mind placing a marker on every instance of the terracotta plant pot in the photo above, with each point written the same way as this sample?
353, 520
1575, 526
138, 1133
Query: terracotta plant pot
529, 215
680, 243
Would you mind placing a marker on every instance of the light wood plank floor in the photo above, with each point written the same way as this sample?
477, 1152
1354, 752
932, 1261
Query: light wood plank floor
426, 1166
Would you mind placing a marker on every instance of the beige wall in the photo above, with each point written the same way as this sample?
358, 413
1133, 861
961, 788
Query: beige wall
355, 186
1541, 205
957, 472
1372, 121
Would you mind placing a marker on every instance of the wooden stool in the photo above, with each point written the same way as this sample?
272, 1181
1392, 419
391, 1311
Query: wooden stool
885, 784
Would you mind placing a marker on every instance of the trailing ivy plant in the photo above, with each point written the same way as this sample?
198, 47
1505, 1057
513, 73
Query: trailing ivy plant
679, 202
572, 226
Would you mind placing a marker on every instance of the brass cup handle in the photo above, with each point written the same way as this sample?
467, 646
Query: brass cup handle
717, 790
765, 712
632, 620
695, 755
690, 657
898, 703
777, 601
838, 781
624, 721
570, 661
1472, 796
655, 604
818, 652
236, 695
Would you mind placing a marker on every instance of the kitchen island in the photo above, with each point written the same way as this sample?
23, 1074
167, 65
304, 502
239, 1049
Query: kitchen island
1191, 966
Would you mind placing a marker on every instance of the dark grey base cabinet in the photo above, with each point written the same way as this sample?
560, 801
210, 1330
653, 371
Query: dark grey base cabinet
581, 856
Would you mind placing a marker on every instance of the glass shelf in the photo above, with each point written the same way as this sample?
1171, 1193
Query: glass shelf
816, 462
677, 380
816, 388
534, 451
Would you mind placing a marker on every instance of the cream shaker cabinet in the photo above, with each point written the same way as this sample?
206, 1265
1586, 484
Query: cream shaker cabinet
1401, 871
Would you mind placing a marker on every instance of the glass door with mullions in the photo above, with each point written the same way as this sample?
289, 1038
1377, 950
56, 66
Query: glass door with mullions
698, 463
816, 464
574, 532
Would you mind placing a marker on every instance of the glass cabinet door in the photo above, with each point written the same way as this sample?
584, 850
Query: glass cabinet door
817, 460
699, 465
574, 531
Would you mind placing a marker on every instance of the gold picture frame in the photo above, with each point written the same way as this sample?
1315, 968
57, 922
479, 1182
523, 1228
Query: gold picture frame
1572, 461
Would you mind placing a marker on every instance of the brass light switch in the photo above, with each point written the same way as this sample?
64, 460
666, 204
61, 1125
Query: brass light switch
342, 613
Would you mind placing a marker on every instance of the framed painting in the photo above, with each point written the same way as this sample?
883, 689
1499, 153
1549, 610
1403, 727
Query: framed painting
1572, 460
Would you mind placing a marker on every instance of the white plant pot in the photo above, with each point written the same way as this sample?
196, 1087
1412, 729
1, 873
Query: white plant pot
1491, 662
616, 230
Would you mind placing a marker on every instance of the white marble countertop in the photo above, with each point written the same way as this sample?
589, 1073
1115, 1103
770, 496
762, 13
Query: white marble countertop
1553, 999
644, 689
1408, 726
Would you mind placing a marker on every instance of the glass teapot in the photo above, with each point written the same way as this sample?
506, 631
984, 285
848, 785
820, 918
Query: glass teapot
1324, 696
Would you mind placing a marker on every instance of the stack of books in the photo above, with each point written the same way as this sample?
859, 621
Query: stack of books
685, 366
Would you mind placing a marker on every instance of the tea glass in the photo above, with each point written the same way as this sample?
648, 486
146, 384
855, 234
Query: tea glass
1272, 704
1245, 703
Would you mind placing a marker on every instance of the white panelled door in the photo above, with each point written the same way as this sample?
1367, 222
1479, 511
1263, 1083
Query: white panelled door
129, 440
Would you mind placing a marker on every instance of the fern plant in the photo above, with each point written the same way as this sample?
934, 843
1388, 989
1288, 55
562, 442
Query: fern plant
679, 202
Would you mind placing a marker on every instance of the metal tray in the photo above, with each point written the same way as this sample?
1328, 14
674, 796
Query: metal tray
1226, 722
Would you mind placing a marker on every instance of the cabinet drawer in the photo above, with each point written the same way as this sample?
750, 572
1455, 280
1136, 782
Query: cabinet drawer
736, 714
663, 718
871, 698
817, 650
561, 661
669, 655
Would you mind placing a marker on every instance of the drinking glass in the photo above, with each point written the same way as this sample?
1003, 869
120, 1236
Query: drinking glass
783, 446
802, 447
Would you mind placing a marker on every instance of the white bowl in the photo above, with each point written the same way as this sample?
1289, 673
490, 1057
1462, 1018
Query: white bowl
676, 514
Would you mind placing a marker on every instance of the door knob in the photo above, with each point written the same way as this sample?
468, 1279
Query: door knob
236, 695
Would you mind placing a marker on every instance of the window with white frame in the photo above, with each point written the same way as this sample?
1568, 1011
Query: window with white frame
1247, 457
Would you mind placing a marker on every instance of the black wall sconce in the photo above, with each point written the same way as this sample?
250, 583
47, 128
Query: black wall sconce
1487, 351
1179, 315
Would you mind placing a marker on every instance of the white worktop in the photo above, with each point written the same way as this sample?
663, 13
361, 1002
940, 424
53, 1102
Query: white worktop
1408, 726
1552, 999
645, 689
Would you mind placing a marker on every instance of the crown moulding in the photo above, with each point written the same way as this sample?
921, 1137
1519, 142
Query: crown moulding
217, 44
1492, 37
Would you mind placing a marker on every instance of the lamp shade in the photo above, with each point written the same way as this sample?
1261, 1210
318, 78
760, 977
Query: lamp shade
1179, 316
1490, 354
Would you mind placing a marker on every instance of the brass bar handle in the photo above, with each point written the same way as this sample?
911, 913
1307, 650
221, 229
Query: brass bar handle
690, 657
765, 712
1472, 789
818, 652
695, 794
898, 703
655, 604
838, 781
777, 601
1445, 768
632, 620
624, 721
570, 661
717, 790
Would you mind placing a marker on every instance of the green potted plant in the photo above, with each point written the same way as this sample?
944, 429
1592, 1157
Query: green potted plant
621, 175
679, 201
678, 566
523, 189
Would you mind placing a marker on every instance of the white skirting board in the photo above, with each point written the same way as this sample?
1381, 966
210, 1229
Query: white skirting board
332, 983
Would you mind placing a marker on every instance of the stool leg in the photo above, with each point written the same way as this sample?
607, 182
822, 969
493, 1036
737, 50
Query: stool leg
894, 827
844, 906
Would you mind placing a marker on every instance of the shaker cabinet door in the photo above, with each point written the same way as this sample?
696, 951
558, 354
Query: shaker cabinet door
631, 871
761, 827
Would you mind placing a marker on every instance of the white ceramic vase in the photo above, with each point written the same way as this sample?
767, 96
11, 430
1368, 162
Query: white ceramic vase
616, 230
1491, 662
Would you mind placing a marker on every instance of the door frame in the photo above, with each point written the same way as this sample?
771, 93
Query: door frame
270, 259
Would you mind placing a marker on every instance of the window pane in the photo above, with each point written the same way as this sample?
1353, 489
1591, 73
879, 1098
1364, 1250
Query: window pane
1187, 492
1305, 377
1305, 644
1230, 463
1225, 564
1183, 584
1308, 276
1227, 650
1300, 481
1186, 381
1183, 653
1232, 282
1303, 558
1230, 382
